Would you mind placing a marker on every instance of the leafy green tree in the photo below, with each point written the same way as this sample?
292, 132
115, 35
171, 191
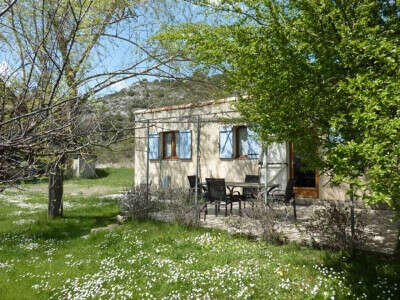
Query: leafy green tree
322, 74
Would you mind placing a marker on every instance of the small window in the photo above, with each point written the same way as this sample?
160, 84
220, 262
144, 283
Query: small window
171, 145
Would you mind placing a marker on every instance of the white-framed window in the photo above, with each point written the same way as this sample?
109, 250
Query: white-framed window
171, 145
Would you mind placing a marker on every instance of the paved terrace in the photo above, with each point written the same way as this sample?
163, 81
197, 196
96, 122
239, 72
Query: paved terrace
381, 232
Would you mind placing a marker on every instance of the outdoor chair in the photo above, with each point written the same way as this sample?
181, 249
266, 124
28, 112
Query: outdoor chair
271, 189
216, 193
286, 197
201, 189
250, 194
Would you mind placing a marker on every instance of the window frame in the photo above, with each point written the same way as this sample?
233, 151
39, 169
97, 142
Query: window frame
174, 155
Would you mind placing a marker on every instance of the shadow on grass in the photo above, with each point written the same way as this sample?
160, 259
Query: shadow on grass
364, 272
102, 173
64, 228
39, 180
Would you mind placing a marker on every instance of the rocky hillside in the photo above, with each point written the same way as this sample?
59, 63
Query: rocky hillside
146, 94
118, 108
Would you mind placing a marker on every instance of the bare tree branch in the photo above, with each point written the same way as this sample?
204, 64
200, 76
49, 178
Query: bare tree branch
7, 8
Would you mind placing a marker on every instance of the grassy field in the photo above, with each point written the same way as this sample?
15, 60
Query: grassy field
109, 181
61, 259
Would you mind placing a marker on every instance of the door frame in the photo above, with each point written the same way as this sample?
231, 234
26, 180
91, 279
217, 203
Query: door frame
306, 192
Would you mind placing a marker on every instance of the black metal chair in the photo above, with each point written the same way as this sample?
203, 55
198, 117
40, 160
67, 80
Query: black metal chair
201, 189
250, 194
216, 193
286, 196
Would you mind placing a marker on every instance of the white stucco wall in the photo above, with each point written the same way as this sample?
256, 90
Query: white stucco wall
211, 165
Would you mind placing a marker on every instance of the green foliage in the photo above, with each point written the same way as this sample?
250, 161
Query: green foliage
321, 74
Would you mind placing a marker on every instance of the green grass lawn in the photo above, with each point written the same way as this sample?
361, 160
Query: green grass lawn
122, 177
60, 259
108, 181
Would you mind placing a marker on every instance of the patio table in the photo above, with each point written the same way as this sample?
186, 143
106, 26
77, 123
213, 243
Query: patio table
231, 185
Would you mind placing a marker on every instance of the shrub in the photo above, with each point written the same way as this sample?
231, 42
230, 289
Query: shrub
268, 218
330, 225
136, 204
175, 204
181, 206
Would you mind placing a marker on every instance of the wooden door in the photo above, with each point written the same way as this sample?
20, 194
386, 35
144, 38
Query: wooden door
306, 181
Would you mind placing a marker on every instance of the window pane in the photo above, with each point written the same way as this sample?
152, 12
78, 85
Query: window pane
242, 140
168, 145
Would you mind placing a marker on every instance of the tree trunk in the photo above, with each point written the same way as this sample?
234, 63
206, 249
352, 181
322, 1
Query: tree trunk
56, 179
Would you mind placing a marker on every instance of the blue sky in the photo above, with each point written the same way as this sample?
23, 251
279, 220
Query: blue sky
119, 54
111, 54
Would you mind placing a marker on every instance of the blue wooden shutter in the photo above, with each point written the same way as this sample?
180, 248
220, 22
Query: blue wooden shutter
226, 142
154, 139
185, 144
253, 145
334, 136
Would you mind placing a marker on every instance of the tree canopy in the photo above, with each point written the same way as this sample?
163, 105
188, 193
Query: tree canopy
320, 74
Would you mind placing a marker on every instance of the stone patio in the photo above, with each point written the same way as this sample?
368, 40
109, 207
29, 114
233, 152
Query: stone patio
381, 232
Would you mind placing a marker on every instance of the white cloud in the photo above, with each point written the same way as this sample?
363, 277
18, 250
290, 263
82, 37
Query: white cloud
120, 85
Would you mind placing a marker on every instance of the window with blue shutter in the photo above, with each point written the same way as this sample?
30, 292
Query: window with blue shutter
335, 137
253, 145
154, 139
226, 142
185, 144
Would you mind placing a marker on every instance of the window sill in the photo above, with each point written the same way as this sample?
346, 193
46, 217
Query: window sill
242, 157
247, 158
